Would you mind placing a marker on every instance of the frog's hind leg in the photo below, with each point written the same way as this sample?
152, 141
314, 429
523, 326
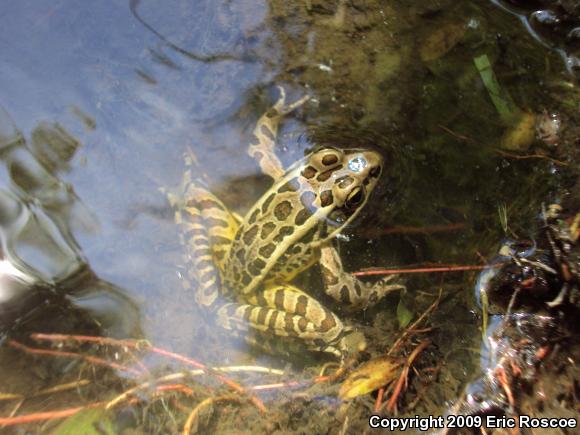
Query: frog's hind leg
286, 312
262, 147
207, 231
196, 240
221, 225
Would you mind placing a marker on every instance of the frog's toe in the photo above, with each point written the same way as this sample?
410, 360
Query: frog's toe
380, 289
281, 108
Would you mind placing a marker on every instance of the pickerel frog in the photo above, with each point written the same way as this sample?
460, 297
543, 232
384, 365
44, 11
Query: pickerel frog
243, 267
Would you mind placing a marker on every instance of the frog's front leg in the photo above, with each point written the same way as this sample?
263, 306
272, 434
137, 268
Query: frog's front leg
262, 147
348, 289
287, 312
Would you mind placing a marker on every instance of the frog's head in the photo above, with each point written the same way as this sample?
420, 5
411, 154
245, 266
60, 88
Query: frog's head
343, 180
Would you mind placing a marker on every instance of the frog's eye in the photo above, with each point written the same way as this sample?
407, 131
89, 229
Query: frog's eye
357, 164
356, 198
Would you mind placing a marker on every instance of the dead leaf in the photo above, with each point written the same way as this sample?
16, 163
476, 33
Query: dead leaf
369, 377
441, 41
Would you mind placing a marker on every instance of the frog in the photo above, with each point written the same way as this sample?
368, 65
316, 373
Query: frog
243, 267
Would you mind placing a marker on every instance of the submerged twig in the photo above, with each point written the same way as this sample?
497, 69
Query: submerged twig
48, 415
415, 230
182, 375
92, 359
402, 382
531, 156
204, 404
140, 344
449, 268
411, 327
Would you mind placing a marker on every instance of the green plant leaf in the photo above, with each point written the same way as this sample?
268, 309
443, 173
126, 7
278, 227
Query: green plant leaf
404, 315
502, 101
92, 421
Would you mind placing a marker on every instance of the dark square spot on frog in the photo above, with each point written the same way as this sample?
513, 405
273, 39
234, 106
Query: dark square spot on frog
205, 204
284, 232
213, 222
289, 324
329, 277
254, 216
250, 235
207, 276
261, 300
267, 132
272, 321
256, 266
205, 264
325, 175
344, 295
246, 278
328, 323
308, 172
302, 216
290, 186
268, 250
309, 236
330, 159
241, 255
201, 242
283, 210
326, 198
247, 313
262, 314
267, 229
323, 230
279, 300
219, 240
302, 324
202, 203
296, 249
195, 232
301, 304
267, 202
192, 218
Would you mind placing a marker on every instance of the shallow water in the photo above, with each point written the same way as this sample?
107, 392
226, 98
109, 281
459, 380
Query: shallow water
101, 102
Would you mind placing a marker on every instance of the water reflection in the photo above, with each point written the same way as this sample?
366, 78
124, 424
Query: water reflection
554, 24
41, 263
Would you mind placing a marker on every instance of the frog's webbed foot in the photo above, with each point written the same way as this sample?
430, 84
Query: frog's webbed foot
262, 146
348, 289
